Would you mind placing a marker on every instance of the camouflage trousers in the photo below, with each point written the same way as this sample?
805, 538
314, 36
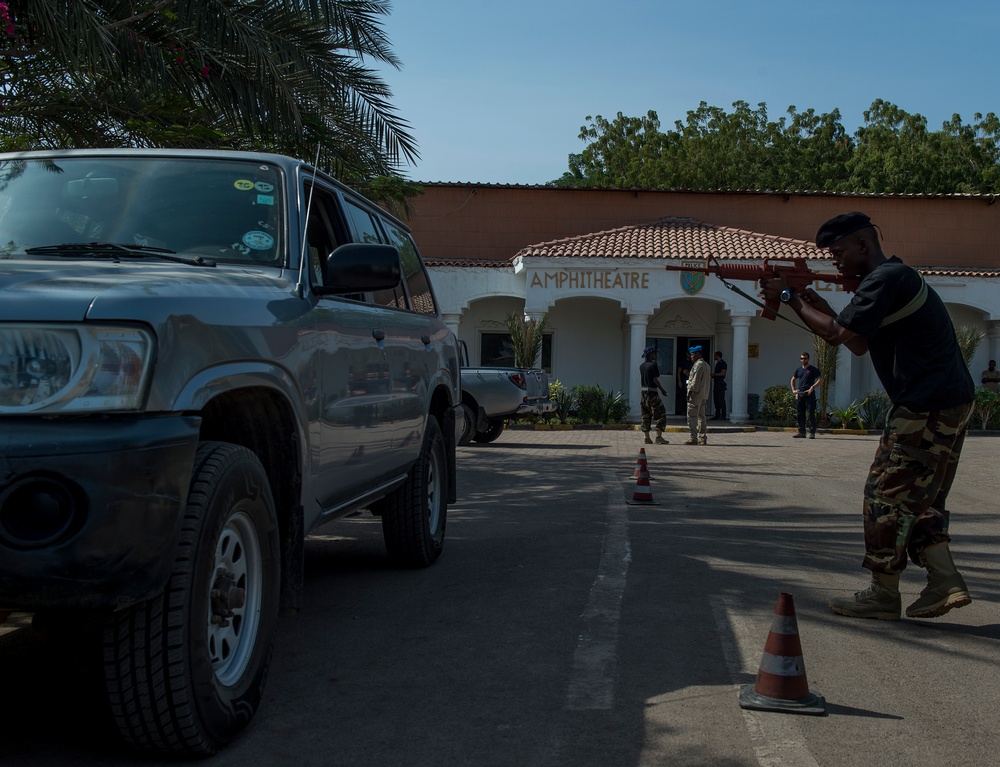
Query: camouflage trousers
652, 411
907, 488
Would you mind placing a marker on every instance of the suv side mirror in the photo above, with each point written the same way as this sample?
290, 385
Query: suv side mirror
360, 267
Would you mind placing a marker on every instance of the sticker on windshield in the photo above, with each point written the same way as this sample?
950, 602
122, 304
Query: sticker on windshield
265, 199
263, 186
243, 184
258, 240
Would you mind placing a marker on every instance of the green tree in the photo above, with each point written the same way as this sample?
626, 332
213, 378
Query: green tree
893, 152
282, 75
624, 152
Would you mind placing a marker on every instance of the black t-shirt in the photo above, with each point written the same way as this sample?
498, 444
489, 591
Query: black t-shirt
648, 373
805, 377
917, 358
720, 381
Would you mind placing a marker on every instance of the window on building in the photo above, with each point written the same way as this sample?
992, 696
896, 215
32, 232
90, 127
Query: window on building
496, 350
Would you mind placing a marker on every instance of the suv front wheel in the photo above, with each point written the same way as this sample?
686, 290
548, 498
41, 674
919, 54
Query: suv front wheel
185, 670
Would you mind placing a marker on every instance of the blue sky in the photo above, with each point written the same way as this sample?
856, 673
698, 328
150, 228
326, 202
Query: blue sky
496, 92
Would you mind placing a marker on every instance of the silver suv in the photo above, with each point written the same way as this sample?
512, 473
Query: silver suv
203, 356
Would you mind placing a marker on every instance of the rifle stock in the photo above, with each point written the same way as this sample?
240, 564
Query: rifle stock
795, 271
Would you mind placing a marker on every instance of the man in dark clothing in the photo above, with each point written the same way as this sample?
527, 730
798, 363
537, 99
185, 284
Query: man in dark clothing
719, 387
650, 402
805, 379
904, 326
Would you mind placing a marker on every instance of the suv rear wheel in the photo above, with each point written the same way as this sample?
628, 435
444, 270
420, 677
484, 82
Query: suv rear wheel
414, 515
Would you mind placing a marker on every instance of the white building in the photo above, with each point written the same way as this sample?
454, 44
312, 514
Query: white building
607, 295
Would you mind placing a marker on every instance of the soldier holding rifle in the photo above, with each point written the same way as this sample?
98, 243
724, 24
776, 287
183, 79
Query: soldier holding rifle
903, 324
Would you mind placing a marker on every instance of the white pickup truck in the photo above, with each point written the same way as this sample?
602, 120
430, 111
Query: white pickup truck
492, 395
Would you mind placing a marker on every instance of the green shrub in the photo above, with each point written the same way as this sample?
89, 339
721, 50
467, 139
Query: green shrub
873, 412
595, 405
847, 417
986, 408
563, 399
778, 407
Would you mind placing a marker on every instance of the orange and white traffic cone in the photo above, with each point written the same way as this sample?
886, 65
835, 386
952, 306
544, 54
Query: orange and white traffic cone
640, 462
642, 494
781, 679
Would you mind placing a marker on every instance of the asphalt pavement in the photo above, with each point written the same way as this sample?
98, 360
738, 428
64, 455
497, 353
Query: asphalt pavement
565, 626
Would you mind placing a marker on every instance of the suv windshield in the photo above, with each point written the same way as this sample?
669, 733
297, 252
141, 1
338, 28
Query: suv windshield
227, 210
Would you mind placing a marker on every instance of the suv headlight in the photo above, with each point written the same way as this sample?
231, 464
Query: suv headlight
70, 369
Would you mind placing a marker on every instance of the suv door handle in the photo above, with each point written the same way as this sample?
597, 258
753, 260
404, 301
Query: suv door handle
425, 340
378, 335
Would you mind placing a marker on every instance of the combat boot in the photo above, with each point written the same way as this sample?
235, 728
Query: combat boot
646, 438
945, 586
881, 600
659, 438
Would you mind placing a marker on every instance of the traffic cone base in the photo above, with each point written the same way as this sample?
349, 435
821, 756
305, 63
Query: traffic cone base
781, 679
813, 703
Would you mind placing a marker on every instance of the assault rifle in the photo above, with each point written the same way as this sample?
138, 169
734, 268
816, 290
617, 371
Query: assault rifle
795, 271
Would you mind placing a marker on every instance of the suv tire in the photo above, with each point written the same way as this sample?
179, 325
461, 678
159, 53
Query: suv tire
185, 670
414, 515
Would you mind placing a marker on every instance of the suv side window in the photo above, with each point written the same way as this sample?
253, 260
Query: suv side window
321, 235
367, 229
417, 284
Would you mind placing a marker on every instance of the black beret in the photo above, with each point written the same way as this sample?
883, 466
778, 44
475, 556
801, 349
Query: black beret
841, 226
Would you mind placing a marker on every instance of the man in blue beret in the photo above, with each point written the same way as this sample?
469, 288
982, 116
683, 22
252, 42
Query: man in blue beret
902, 323
698, 384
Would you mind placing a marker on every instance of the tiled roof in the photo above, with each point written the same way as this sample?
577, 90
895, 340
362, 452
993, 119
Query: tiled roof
682, 238
947, 271
690, 190
675, 238
487, 262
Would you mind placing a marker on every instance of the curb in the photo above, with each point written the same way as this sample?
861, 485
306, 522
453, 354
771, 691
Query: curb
731, 429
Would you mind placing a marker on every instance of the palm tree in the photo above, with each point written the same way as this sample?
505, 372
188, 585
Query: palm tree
526, 338
826, 361
969, 338
282, 75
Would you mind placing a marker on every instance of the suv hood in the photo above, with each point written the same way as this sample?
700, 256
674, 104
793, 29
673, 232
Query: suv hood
69, 290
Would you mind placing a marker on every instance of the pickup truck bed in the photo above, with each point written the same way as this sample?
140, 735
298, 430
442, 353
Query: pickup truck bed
490, 396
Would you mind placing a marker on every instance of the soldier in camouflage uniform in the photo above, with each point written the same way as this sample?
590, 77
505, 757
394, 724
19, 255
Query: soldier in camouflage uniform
904, 326
650, 403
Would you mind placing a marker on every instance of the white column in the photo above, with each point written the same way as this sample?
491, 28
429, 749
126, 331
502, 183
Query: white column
993, 340
637, 342
453, 321
739, 370
724, 344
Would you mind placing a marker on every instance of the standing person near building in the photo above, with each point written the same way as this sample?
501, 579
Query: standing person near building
804, 381
719, 387
991, 376
650, 403
903, 324
697, 397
